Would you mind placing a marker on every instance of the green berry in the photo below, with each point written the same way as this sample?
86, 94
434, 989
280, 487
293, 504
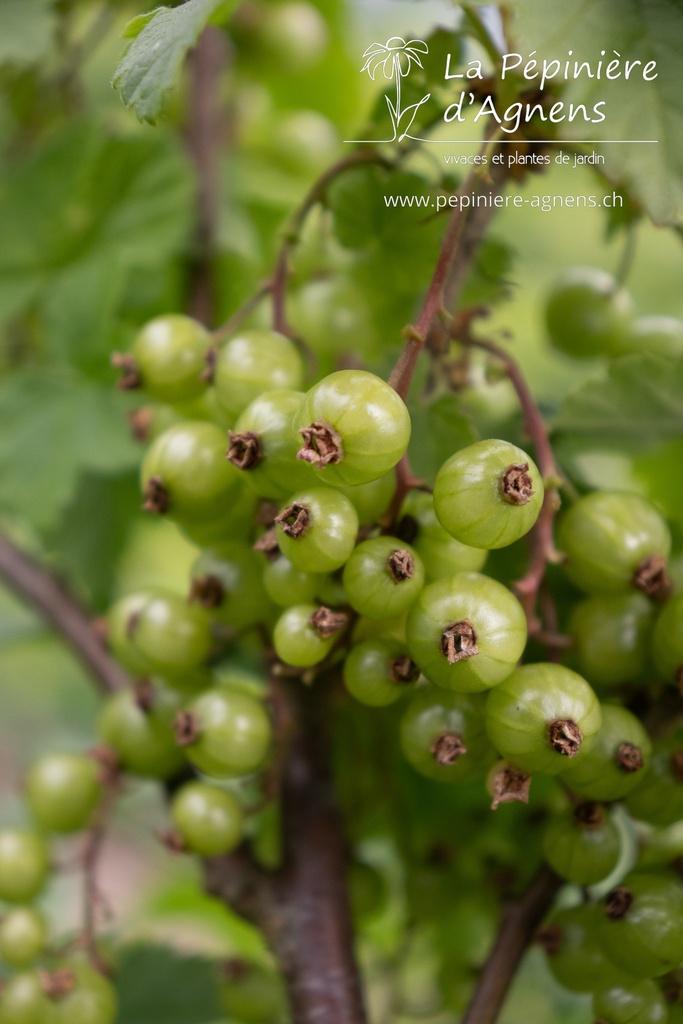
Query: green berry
225, 733
588, 314
542, 717
662, 335
443, 735
286, 585
253, 362
354, 427
170, 356
263, 445
441, 554
92, 1000
611, 634
253, 993
616, 763
170, 636
208, 819
630, 1002
488, 495
317, 530
138, 725
466, 633
667, 640
23, 934
371, 500
658, 798
23, 1001
583, 846
641, 927
574, 953
383, 577
24, 864
306, 633
63, 790
186, 475
614, 541
378, 672
229, 585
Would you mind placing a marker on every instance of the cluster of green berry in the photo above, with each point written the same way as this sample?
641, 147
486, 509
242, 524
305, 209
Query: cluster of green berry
588, 313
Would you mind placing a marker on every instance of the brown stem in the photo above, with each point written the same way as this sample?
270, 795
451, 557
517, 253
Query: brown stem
464, 233
92, 896
515, 933
303, 908
47, 595
204, 135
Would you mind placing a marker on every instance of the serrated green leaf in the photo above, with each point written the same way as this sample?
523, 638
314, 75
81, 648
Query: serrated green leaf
54, 426
438, 430
635, 109
157, 984
27, 30
638, 406
149, 67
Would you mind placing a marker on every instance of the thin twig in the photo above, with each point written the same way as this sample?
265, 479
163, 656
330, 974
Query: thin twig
47, 594
92, 898
515, 933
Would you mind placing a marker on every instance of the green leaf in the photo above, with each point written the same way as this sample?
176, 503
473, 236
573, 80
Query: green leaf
149, 67
635, 109
439, 430
157, 984
638, 406
27, 30
55, 425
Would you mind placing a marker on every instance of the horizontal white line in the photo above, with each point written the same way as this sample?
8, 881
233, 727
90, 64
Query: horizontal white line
510, 142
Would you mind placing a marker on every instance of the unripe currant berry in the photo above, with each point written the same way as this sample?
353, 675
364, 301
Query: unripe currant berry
378, 672
582, 845
443, 735
641, 928
138, 726
63, 790
170, 359
253, 362
630, 1002
224, 732
287, 585
611, 634
383, 577
489, 494
317, 530
616, 763
662, 335
306, 633
543, 716
186, 476
667, 641
209, 820
23, 935
442, 555
614, 541
23, 1001
24, 864
263, 445
229, 585
658, 798
588, 314
354, 427
170, 636
466, 633
81, 996
574, 954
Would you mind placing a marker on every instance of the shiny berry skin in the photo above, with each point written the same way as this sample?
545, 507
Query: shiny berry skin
171, 636
658, 798
317, 530
120, 618
253, 362
170, 354
23, 935
138, 726
614, 540
616, 763
354, 427
542, 717
383, 577
587, 313
667, 640
371, 500
208, 819
630, 1002
306, 633
232, 734
611, 634
286, 585
379, 672
442, 735
186, 475
582, 845
641, 927
228, 585
573, 951
92, 1000
24, 864
23, 1001
488, 495
662, 335
441, 554
466, 633
63, 790
263, 445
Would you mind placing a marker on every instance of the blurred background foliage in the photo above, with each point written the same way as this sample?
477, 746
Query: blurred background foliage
96, 237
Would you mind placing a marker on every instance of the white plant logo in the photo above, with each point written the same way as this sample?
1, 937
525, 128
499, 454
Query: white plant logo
396, 57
